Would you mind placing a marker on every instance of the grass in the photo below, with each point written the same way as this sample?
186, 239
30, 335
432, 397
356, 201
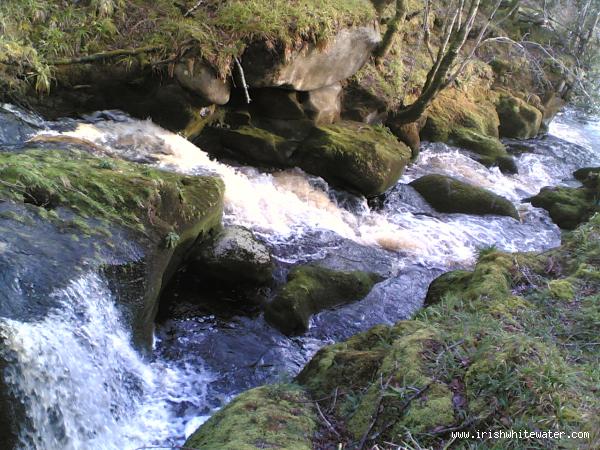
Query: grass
513, 347
33, 33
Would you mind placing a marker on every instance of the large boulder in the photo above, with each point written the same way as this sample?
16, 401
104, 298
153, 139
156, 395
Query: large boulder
310, 289
200, 78
234, 255
449, 195
312, 67
518, 119
589, 177
357, 157
272, 416
568, 207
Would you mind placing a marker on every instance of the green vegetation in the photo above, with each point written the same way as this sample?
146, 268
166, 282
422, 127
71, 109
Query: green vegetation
275, 416
36, 35
511, 345
310, 289
127, 194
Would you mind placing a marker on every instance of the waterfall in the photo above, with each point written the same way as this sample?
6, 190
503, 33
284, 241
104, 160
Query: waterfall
82, 383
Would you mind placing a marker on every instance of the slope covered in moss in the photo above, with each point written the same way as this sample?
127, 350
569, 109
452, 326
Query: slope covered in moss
36, 35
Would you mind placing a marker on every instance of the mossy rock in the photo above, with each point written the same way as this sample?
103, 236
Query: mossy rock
449, 195
250, 143
568, 207
310, 289
274, 416
518, 119
234, 255
449, 282
163, 213
589, 177
357, 157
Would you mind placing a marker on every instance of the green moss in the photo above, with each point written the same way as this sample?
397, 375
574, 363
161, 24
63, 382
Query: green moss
450, 282
33, 33
364, 159
258, 145
276, 416
310, 289
130, 195
568, 207
450, 195
561, 289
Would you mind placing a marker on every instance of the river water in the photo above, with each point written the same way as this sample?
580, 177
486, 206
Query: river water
83, 384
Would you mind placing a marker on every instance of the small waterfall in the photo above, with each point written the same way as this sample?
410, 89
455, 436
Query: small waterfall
285, 205
83, 385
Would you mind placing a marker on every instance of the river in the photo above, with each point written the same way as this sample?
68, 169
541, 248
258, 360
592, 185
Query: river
83, 384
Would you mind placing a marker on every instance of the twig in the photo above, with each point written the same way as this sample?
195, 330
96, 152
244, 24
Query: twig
193, 8
327, 422
103, 55
365, 436
243, 79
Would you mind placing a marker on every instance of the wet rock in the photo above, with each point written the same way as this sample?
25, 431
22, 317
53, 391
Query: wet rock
518, 119
234, 255
312, 67
324, 105
407, 133
200, 78
356, 157
273, 416
250, 143
568, 207
310, 289
449, 195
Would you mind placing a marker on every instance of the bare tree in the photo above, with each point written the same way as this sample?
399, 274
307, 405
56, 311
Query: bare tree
447, 64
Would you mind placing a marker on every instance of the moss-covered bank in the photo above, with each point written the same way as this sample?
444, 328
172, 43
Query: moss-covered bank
509, 345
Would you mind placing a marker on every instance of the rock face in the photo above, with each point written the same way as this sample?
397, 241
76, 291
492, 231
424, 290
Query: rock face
312, 67
518, 119
310, 289
201, 79
275, 416
568, 207
355, 157
234, 255
449, 195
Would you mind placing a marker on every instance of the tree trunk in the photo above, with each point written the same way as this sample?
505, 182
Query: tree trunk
392, 29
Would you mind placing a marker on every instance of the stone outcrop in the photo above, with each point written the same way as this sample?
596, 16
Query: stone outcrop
311, 67
518, 119
200, 78
359, 158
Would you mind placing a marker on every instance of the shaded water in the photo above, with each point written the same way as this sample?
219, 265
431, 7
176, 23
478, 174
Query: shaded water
79, 395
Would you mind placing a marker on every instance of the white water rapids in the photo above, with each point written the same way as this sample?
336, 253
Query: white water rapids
85, 387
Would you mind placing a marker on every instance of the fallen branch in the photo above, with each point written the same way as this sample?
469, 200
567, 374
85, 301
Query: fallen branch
327, 422
103, 55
